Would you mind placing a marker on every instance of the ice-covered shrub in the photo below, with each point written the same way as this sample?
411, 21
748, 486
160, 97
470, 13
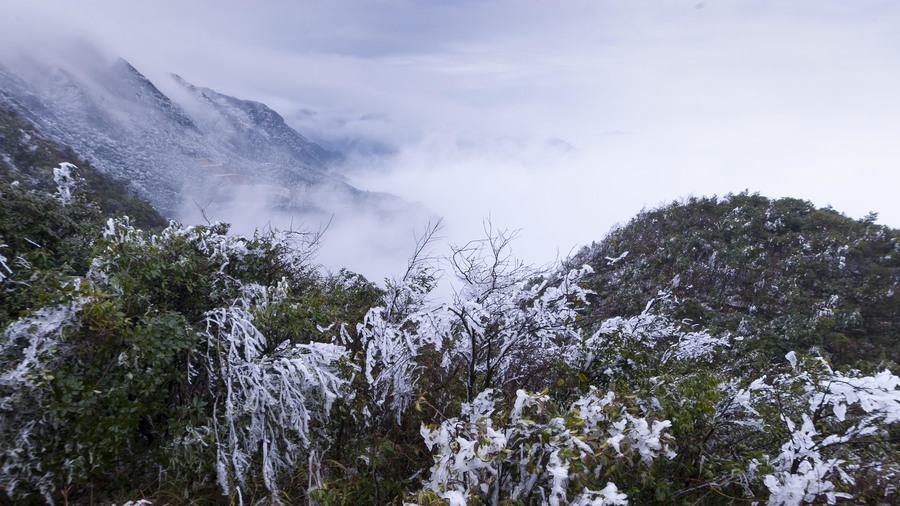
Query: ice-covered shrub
836, 427
534, 453
265, 397
66, 181
29, 346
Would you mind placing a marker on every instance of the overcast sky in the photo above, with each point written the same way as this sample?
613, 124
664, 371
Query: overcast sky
560, 118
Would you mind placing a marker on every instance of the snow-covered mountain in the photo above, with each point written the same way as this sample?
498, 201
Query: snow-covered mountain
192, 145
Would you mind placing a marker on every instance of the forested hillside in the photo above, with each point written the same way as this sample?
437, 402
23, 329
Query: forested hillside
789, 275
190, 365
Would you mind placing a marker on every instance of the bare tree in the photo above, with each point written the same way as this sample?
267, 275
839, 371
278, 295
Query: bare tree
508, 322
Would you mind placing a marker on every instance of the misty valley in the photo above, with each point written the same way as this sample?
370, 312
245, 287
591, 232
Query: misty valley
169, 335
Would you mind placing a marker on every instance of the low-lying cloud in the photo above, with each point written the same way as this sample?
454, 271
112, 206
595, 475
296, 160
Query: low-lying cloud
374, 240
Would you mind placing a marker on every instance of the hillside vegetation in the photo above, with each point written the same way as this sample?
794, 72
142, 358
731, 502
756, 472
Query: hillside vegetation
789, 275
190, 365
27, 156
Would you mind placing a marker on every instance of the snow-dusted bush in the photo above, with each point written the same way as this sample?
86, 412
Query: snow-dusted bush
635, 351
394, 334
836, 427
534, 453
187, 357
28, 348
266, 396
66, 181
507, 322
5, 270
505, 325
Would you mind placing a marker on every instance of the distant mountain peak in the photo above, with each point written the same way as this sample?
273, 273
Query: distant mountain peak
143, 90
259, 125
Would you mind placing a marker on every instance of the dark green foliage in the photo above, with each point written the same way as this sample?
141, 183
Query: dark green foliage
116, 410
112, 398
783, 271
43, 240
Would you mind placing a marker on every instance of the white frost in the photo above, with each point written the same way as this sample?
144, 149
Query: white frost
65, 182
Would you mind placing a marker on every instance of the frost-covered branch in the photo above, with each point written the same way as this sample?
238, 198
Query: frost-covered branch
5, 271
831, 419
507, 321
266, 398
395, 332
29, 346
66, 181
534, 454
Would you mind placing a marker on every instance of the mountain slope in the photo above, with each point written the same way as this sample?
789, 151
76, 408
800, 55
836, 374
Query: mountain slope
27, 158
255, 128
792, 275
203, 147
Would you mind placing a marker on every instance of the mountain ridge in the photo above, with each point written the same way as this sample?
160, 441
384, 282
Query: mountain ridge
202, 146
